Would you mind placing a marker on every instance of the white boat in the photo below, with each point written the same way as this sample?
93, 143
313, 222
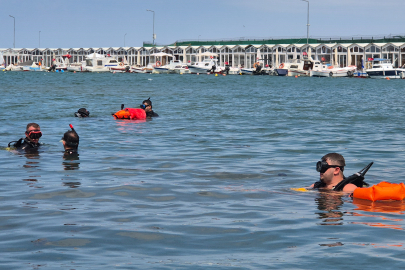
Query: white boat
76, 67
33, 67
247, 71
169, 68
122, 67
59, 64
283, 68
12, 67
301, 67
181, 69
360, 74
158, 67
380, 68
206, 66
140, 69
230, 70
100, 63
327, 70
257, 69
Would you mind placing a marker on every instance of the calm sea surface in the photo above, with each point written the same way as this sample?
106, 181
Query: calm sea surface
205, 185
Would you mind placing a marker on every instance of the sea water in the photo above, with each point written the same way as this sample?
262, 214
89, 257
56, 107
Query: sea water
205, 185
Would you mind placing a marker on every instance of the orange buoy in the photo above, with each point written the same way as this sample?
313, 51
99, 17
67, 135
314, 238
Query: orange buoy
130, 113
382, 191
387, 78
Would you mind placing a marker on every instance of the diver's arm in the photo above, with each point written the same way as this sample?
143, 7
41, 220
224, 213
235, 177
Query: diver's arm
349, 188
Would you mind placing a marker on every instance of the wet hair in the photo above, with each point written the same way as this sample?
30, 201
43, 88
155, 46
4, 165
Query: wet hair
71, 138
34, 125
83, 112
147, 101
336, 159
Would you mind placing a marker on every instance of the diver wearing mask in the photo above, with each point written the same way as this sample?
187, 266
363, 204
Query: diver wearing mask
330, 170
147, 106
32, 133
82, 112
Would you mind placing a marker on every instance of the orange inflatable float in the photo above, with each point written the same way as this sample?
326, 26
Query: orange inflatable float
379, 206
381, 191
130, 113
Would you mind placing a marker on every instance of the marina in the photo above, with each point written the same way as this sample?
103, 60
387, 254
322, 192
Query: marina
230, 57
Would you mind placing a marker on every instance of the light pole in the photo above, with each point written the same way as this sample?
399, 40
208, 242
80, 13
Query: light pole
124, 39
39, 46
154, 37
14, 29
307, 19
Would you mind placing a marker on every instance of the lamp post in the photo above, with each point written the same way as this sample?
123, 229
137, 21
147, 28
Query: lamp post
154, 37
39, 45
124, 39
14, 29
307, 19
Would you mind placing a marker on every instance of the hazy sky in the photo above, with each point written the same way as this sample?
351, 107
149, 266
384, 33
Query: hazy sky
103, 23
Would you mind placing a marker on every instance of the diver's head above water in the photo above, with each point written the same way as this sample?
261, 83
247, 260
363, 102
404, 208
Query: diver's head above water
33, 132
330, 168
82, 112
70, 140
146, 105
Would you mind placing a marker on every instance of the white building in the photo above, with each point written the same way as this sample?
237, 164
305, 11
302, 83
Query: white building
236, 53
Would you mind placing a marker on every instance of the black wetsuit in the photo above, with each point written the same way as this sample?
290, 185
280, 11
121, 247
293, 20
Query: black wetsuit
25, 144
151, 114
71, 152
319, 184
77, 114
341, 184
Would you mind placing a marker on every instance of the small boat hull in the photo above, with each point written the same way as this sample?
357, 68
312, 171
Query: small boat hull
332, 73
281, 72
383, 74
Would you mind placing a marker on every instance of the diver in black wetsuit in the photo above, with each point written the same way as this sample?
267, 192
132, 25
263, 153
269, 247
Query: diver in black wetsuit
70, 142
330, 170
82, 112
30, 142
334, 179
147, 106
